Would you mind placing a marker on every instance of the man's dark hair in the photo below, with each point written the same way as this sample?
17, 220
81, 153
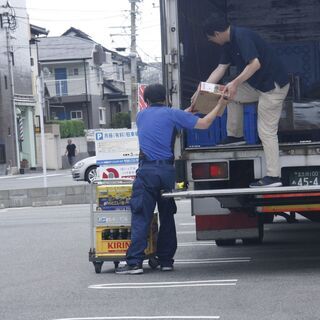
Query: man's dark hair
154, 93
215, 22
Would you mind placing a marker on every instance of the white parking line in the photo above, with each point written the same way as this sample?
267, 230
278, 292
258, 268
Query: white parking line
214, 260
142, 317
193, 244
41, 176
186, 232
204, 261
187, 224
175, 284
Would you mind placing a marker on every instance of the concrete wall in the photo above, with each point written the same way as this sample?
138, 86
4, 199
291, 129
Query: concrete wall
52, 145
51, 196
55, 150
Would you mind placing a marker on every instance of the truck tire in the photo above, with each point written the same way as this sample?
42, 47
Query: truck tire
225, 242
259, 239
312, 216
268, 217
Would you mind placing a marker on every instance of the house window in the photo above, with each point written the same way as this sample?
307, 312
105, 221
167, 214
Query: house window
102, 115
118, 71
60, 75
73, 72
75, 115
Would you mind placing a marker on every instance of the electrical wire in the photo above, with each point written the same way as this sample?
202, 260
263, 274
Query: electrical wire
59, 10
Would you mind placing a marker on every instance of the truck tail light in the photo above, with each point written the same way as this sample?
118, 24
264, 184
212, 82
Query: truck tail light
210, 170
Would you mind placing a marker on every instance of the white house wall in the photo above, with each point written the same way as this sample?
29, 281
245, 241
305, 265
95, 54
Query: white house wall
19, 39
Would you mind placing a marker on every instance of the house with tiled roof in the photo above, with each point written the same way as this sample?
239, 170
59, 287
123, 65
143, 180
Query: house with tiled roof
83, 79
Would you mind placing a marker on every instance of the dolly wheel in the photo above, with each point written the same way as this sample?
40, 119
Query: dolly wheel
153, 263
97, 266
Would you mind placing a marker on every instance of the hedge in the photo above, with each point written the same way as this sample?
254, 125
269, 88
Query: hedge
121, 120
71, 128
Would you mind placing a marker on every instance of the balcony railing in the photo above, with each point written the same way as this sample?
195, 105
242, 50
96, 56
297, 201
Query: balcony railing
66, 87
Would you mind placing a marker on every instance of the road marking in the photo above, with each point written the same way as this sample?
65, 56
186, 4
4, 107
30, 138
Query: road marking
175, 284
208, 261
41, 176
187, 224
142, 317
200, 243
215, 260
186, 232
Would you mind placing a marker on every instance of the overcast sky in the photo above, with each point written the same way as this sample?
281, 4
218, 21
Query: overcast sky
98, 19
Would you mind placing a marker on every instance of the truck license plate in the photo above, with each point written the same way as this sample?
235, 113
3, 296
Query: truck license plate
304, 177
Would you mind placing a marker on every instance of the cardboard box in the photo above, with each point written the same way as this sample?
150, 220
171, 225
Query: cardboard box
207, 97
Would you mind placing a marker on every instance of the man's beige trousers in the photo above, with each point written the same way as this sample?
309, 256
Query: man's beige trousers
269, 112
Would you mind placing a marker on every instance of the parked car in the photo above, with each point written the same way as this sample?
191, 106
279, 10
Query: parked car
85, 169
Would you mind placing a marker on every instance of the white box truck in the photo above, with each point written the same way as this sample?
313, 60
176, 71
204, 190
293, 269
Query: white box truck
218, 177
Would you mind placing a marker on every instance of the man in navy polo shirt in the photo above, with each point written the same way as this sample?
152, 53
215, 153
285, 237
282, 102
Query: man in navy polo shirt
261, 77
157, 126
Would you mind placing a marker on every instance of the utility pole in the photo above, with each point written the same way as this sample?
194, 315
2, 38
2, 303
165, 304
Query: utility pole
133, 60
13, 134
40, 86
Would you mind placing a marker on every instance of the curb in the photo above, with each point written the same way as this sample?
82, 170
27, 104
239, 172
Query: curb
40, 197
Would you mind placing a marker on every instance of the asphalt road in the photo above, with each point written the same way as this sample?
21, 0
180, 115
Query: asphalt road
55, 178
45, 273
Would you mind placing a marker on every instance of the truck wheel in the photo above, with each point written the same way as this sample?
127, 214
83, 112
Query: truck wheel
225, 242
259, 239
251, 241
268, 218
312, 216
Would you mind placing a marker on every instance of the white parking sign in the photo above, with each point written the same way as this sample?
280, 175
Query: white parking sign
117, 153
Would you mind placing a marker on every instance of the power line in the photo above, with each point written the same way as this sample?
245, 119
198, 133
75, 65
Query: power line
67, 10
68, 19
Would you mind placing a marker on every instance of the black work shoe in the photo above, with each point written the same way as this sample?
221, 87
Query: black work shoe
130, 269
232, 141
266, 182
166, 268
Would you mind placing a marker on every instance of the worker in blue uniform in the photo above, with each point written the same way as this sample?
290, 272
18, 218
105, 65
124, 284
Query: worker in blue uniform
261, 76
157, 126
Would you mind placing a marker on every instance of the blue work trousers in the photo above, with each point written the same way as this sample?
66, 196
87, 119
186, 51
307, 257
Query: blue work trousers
150, 180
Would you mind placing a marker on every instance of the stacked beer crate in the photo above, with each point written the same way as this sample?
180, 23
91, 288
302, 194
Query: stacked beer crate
113, 221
